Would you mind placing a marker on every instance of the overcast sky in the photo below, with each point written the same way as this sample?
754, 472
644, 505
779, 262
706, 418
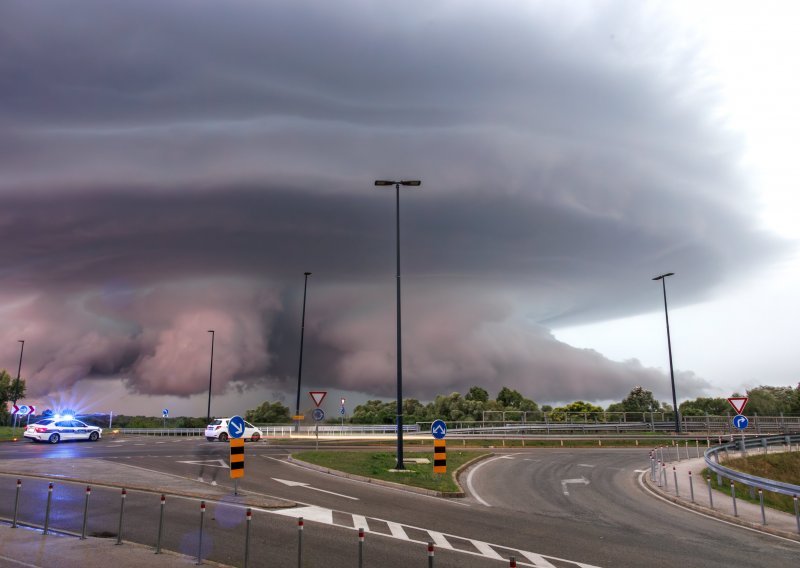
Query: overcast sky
174, 167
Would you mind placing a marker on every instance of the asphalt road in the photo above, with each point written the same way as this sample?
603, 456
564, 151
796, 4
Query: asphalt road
547, 507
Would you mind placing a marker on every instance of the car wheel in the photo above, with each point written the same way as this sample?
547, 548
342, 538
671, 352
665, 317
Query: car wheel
94, 436
255, 437
223, 437
54, 438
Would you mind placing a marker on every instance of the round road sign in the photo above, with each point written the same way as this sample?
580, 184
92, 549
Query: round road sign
236, 427
740, 421
318, 414
439, 429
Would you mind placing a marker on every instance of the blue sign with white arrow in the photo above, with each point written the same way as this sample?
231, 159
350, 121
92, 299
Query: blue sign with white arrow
740, 421
439, 429
236, 427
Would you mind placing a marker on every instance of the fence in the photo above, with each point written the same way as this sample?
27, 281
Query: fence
238, 535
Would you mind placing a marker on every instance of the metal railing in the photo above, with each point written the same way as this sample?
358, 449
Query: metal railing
713, 462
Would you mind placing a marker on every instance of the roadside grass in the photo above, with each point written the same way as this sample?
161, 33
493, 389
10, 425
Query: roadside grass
783, 467
376, 465
7, 433
554, 442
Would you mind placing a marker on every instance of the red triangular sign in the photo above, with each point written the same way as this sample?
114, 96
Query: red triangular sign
318, 396
738, 403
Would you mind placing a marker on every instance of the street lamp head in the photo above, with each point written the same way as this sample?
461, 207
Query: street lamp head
307, 273
385, 182
664, 276
20, 341
210, 331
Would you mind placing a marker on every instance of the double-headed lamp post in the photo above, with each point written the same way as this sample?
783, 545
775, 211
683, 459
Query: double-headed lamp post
210, 375
300, 366
15, 392
669, 350
397, 184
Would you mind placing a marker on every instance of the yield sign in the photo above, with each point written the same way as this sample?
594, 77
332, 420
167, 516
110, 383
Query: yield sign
318, 397
738, 403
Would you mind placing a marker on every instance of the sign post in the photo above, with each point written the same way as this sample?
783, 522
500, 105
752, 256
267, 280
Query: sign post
439, 431
235, 435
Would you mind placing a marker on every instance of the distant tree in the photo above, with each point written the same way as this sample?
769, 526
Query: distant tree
269, 413
546, 408
10, 391
509, 398
478, 394
375, 412
579, 410
771, 401
640, 400
701, 406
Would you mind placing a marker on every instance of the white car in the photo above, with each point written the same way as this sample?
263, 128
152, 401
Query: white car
56, 429
218, 430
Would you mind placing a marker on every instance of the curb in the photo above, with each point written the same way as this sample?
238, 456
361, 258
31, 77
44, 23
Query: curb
393, 485
647, 484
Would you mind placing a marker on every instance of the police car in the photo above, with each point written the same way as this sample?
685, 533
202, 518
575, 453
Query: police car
54, 430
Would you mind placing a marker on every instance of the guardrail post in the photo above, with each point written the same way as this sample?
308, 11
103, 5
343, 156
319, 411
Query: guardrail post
200, 538
16, 504
249, 518
691, 486
299, 542
121, 512
85, 512
161, 524
430, 555
733, 496
697, 447
761, 500
675, 476
360, 548
47, 509
710, 494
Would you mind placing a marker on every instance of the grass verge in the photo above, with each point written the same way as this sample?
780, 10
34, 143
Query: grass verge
7, 433
553, 442
783, 467
376, 465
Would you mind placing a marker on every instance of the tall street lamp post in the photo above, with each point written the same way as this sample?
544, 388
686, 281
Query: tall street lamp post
300, 366
15, 394
397, 184
669, 349
210, 375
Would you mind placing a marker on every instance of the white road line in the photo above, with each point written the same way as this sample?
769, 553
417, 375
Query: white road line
486, 550
439, 540
537, 559
310, 513
360, 522
471, 488
397, 530
585, 465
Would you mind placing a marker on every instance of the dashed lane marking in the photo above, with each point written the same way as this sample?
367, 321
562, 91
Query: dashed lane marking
486, 549
360, 522
397, 530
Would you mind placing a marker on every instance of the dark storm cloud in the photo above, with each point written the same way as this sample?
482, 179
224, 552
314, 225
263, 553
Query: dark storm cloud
170, 168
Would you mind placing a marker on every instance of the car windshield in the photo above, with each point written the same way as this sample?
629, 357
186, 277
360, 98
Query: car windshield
216, 422
45, 422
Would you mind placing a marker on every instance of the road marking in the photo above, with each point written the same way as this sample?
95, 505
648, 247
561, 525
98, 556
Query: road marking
307, 486
439, 540
486, 550
640, 470
585, 465
564, 482
471, 488
538, 560
397, 530
309, 513
209, 463
360, 522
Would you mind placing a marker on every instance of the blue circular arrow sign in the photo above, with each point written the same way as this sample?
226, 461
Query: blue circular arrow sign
318, 414
439, 429
740, 421
236, 427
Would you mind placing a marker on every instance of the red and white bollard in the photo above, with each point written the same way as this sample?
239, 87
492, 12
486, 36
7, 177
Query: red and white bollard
360, 547
430, 555
85, 512
512, 562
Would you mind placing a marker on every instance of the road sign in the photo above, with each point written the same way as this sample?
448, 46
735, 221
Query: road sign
738, 403
439, 456
318, 397
318, 414
236, 427
23, 410
740, 421
237, 456
439, 429
165, 412
341, 411
298, 417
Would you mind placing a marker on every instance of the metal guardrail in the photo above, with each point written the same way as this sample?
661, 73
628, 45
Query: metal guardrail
712, 461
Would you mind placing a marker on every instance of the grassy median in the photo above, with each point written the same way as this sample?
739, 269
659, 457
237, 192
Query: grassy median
783, 467
376, 465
